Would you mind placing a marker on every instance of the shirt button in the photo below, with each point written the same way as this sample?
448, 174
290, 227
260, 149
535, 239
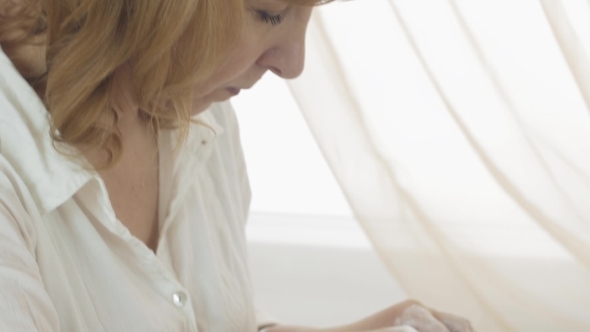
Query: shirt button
178, 299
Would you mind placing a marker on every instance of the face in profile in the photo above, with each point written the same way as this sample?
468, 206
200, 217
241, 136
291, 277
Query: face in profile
272, 39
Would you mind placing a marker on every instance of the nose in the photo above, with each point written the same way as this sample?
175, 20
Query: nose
286, 58
287, 61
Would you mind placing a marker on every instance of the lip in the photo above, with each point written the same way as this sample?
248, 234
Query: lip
233, 91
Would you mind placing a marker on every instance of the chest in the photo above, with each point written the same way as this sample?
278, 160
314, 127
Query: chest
102, 279
133, 191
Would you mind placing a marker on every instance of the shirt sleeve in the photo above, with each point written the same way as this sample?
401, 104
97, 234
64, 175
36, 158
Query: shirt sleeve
24, 303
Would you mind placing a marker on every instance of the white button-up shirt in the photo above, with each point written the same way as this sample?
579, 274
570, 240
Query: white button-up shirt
68, 264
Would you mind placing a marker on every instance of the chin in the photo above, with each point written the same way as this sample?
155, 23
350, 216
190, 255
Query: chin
203, 103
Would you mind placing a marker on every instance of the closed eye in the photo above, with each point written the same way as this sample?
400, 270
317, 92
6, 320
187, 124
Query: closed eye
268, 18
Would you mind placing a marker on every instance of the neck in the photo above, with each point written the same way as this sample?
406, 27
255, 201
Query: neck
137, 134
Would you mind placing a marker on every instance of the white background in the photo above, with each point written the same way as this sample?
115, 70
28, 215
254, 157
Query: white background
311, 262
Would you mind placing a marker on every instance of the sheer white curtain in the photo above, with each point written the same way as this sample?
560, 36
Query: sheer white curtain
459, 131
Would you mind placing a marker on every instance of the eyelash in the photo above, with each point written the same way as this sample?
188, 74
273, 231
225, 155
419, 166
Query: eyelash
268, 18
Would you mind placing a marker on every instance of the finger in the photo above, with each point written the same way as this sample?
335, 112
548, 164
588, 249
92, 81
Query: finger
403, 328
420, 319
454, 323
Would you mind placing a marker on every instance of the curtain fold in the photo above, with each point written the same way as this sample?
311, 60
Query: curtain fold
459, 132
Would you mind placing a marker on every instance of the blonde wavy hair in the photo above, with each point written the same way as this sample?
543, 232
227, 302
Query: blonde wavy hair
173, 45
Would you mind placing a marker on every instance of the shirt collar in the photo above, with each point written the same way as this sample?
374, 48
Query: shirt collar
51, 177
201, 136
179, 166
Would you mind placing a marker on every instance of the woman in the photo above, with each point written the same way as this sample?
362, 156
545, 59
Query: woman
123, 191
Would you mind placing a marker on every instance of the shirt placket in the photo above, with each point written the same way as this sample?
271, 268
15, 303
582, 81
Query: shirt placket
170, 289
183, 168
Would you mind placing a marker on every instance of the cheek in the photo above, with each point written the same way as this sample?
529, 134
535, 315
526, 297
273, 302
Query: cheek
242, 59
239, 64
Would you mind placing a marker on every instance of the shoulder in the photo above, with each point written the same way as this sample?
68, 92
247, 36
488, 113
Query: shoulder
24, 302
17, 207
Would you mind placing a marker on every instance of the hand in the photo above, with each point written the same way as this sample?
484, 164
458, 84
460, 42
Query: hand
423, 320
282, 328
404, 328
407, 316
